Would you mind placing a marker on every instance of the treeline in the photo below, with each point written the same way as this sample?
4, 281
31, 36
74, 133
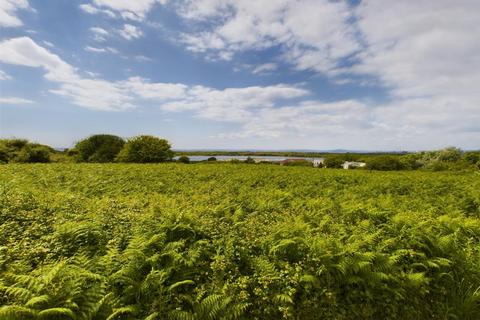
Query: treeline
100, 148
450, 158
105, 148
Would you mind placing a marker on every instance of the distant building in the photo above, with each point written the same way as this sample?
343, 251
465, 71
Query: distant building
353, 164
317, 162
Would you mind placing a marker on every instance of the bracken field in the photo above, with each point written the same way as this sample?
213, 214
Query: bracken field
237, 241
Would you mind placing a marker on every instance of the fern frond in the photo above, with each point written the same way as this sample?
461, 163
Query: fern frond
15, 312
19, 294
153, 316
283, 298
180, 315
62, 313
180, 284
36, 302
129, 310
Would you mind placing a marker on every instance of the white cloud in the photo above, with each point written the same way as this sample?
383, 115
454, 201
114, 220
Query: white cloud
232, 104
48, 43
314, 34
14, 101
99, 34
8, 10
142, 58
307, 119
159, 91
133, 10
24, 51
423, 48
4, 75
424, 53
131, 16
88, 8
127, 9
265, 68
95, 50
101, 50
130, 32
95, 94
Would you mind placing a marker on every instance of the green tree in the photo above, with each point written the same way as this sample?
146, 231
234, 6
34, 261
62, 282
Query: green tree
145, 149
450, 154
333, 161
98, 148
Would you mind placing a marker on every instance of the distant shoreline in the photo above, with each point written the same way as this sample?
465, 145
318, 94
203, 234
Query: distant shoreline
286, 153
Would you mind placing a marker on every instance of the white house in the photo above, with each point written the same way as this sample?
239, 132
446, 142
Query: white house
353, 164
317, 162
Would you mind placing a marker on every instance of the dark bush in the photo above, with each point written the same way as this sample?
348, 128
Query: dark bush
249, 160
4, 154
472, 157
297, 163
385, 163
98, 148
34, 154
145, 149
15, 143
212, 159
183, 159
410, 162
20, 150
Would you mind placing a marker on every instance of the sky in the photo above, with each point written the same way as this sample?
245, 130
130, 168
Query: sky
243, 74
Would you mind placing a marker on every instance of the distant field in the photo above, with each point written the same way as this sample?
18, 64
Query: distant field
237, 241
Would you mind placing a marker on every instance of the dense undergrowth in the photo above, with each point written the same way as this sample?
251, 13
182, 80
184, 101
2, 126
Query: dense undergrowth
224, 241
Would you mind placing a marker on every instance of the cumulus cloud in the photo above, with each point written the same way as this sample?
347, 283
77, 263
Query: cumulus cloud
99, 34
230, 104
423, 53
433, 51
88, 8
130, 10
8, 12
314, 34
14, 101
308, 118
90, 93
130, 32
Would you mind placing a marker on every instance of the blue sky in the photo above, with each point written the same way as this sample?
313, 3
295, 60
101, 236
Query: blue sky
283, 74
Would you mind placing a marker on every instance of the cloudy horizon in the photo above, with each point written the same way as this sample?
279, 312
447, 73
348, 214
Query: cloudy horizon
225, 74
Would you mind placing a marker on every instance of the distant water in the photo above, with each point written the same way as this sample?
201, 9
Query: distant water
243, 158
